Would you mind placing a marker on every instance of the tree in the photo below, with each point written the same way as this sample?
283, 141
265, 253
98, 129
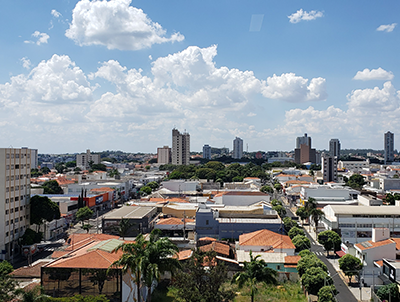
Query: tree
350, 265
275, 202
389, 292
41, 209
308, 261
158, 259
145, 190
327, 294
301, 242
356, 181
52, 187
153, 185
278, 187
330, 240
97, 167
288, 223
267, 189
7, 284
293, 232
87, 227
314, 279
280, 209
201, 279
45, 170
123, 227
254, 272
60, 167
302, 213
132, 260
30, 237
316, 215
35, 294
84, 214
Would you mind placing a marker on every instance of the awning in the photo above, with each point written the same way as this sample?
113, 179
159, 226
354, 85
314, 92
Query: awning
340, 253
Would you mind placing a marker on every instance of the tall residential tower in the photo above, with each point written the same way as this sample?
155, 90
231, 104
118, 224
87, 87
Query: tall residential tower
334, 147
389, 147
180, 147
237, 148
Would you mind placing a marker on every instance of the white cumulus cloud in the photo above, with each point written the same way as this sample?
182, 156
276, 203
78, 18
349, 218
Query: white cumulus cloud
116, 25
26, 63
301, 15
387, 28
41, 38
55, 13
373, 74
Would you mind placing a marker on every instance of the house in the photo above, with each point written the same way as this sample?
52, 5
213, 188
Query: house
240, 198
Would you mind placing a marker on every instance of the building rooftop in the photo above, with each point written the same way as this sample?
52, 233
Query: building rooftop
266, 238
129, 212
364, 210
366, 245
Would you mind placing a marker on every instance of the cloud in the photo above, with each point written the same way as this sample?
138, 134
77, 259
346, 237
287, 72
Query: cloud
116, 25
387, 28
305, 16
41, 38
295, 89
26, 63
373, 74
55, 13
256, 22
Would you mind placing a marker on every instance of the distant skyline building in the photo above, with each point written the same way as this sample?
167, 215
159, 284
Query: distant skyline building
329, 167
303, 152
389, 147
334, 147
164, 155
237, 152
207, 152
180, 147
83, 160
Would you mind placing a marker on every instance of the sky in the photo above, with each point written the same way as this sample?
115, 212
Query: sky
121, 74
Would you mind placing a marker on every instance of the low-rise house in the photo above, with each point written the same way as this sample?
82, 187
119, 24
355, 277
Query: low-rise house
240, 198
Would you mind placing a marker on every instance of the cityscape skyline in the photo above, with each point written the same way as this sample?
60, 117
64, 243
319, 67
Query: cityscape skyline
77, 73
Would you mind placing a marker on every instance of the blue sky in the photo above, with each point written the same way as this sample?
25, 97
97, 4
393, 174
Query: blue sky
120, 74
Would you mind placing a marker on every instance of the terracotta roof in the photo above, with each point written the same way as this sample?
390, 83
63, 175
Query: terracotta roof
366, 245
104, 189
62, 180
245, 193
380, 263
183, 255
397, 241
78, 240
256, 178
173, 221
266, 238
207, 238
29, 271
218, 247
292, 259
58, 254
295, 181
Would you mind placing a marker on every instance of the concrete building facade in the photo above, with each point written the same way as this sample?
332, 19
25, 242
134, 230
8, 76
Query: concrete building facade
237, 148
83, 160
207, 152
329, 167
389, 147
180, 148
164, 155
15, 167
334, 147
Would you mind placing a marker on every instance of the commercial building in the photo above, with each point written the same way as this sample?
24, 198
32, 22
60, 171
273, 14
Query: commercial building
237, 148
83, 160
354, 166
303, 152
180, 148
15, 167
389, 147
206, 152
329, 167
164, 155
334, 147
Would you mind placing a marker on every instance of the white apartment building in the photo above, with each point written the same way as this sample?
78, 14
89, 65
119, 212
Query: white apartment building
34, 158
15, 167
354, 166
237, 148
83, 160
180, 148
164, 155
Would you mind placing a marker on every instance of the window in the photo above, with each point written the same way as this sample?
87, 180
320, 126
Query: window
278, 267
11, 199
28, 166
16, 188
12, 221
21, 218
16, 220
8, 167
29, 156
207, 222
16, 177
7, 222
8, 155
7, 189
6, 212
12, 155
6, 234
16, 209
7, 178
16, 166
12, 189
12, 177
16, 155
20, 208
16, 198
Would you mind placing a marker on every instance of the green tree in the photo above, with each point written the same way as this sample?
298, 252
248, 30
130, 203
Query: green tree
52, 187
314, 279
301, 242
84, 214
153, 185
45, 170
215, 165
41, 209
278, 187
330, 240
315, 213
356, 181
35, 294
288, 223
267, 189
87, 227
302, 213
201, 279
30, 237
71, 164
308, 261
60, 167
254, 272
7, 284
293, 232
132, 259
389, 292
98, 167
145, 190
327, 294
123, 227
275, 202
280, 209
158, 259
350, 265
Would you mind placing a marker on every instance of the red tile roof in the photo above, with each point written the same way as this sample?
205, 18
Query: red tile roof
173, 221
183, 255
372, 244
266, 238
218, 247
29, 271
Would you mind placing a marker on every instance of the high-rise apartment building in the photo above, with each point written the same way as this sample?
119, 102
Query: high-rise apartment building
83, 160
303, 152
334, 147
329, 167
164, 155
207, 151
15, 172
389, 147
237, 148
34, 158
180, 147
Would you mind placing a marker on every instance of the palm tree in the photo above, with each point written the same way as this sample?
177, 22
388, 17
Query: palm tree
123, 227
158, 259
254, 272
316, 215
32, 295
132, 259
